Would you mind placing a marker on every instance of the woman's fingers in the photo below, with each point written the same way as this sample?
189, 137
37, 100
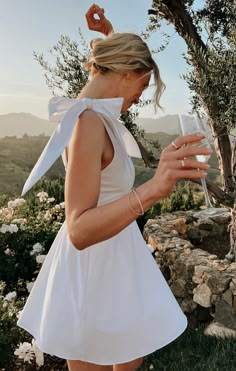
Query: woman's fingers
91, 21
189, 164
190, 174
192, 151
185, 139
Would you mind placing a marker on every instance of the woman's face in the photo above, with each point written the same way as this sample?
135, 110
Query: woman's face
132, 87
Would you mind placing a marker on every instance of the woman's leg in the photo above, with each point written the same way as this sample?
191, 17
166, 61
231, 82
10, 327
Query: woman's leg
128, 366
86, 366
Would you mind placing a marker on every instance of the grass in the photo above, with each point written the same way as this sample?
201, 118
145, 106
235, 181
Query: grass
194, 351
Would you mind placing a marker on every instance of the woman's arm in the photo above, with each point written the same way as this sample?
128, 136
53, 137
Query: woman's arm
88, 223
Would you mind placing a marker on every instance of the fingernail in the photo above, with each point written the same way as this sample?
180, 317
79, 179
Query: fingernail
209, 150
200, 135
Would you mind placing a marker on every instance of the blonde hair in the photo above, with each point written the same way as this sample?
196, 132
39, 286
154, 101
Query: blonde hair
124, 52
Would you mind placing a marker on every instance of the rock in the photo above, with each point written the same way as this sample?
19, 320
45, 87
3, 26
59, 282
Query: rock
225, 315
193, 234
202, 295
178, 288
200, 280
206, 224
217, 329
234, 304
228, 297
188, 305
216, 281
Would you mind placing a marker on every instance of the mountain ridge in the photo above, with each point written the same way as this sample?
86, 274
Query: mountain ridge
19, 124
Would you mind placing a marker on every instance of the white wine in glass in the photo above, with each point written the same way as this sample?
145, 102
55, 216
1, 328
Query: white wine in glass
190, 124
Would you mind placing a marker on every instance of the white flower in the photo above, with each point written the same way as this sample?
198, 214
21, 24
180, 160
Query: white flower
19, 221
7, 251
57, 207
13, 228
43, 196
51, 199
40, 259
151, 367
48, 215
38, 354
18, 314
17, 202
10, 204
62, 204
25, 352
37, 248
4, 228
10, 296
29, 286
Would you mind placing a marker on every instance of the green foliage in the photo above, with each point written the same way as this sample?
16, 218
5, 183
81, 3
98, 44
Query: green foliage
53, 187
213, 83
35, 221
182, 198
67, 76
151, 213
28, 228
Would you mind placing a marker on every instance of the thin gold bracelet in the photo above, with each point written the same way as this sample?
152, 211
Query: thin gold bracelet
140, 204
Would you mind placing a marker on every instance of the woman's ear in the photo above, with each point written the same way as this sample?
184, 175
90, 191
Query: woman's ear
127, 79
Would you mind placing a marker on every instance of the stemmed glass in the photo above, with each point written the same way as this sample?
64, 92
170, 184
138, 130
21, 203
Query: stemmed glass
190, 124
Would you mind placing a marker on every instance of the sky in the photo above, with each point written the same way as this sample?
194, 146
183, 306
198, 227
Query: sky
30, 25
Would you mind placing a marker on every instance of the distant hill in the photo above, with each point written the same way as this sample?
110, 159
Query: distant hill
17, 158
18, 124
166, 124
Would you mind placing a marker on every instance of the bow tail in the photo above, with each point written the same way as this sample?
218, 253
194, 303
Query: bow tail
55, 146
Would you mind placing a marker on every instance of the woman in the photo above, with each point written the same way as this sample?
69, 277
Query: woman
100, 300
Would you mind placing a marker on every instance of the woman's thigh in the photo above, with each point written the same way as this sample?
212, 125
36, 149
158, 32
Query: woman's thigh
86, 366
129, 366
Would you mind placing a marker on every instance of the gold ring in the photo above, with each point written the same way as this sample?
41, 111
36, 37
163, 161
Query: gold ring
174, 145
182, 163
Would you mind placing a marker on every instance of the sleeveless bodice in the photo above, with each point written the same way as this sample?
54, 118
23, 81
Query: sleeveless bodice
118, 177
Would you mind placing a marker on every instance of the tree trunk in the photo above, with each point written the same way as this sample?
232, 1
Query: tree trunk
224, 154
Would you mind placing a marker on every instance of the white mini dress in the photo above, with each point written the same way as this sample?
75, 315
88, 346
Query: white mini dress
108, 303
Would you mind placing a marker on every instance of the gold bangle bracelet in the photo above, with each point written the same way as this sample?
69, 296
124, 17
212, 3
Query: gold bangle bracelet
140, 204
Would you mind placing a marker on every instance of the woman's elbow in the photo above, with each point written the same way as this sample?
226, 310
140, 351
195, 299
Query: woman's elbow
77, 238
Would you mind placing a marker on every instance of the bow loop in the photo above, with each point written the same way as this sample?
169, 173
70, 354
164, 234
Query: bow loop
67, 111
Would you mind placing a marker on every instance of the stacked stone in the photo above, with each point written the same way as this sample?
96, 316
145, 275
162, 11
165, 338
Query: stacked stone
200, 281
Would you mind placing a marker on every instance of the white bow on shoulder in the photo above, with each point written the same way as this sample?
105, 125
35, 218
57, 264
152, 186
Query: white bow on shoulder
66, 111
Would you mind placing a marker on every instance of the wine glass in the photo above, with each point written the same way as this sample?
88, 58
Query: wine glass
190, 124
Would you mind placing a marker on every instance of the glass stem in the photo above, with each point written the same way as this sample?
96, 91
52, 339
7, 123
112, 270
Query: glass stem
206, 195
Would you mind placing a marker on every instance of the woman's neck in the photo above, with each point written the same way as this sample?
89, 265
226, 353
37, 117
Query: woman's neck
100, 87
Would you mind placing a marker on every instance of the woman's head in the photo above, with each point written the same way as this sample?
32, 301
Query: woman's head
128, 55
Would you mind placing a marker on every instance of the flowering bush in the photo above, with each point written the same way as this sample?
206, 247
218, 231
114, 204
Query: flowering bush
27, 230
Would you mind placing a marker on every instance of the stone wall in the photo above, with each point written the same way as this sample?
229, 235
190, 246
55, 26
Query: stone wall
203, 284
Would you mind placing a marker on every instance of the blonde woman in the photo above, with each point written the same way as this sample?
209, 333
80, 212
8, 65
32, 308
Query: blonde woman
100, 300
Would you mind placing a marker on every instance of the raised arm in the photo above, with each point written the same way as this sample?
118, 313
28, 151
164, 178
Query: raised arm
100, 24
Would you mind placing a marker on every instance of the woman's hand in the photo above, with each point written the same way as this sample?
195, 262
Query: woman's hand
177, 161
101, 24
